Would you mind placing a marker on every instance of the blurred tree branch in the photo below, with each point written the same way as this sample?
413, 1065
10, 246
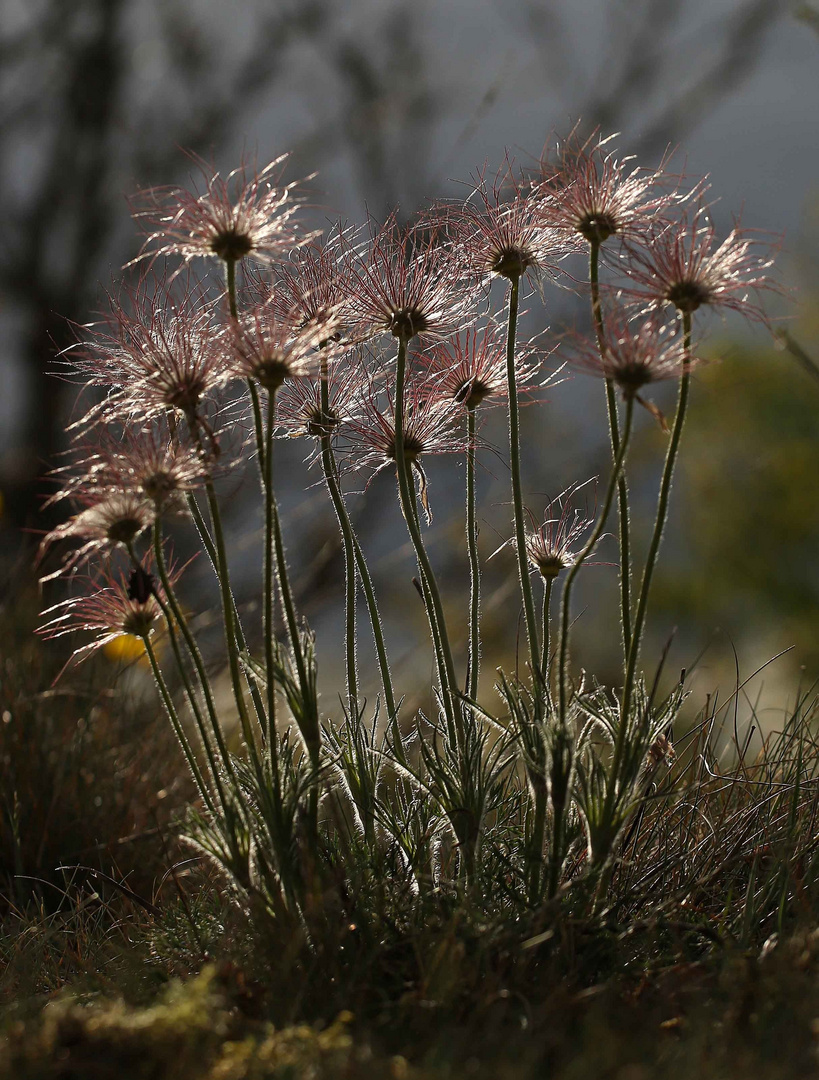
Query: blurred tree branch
789, 343
72, 130
642, 39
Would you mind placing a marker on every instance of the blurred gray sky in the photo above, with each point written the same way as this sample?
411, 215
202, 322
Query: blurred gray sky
733, 85
389, 101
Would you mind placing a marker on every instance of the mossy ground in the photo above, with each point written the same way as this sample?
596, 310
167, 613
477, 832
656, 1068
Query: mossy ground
741, 1017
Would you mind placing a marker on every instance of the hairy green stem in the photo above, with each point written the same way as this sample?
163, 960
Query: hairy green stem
565, 614
268, 622
659, 525
614, 433
332, 479
176, 723
193, 649
194, 704
257, 425
288, 605
517, 492
435, 610
312, 737
535, 854
453, 715
473, 664
556, 853
188, 687
234, 638
230, 275
241, 641
547, 603
372, 608
230, 622
350, 592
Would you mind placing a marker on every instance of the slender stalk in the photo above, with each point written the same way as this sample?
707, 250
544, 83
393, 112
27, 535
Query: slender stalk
229, 809
202, 529
454, 715
230, 275
563, 647
176, 723
547, 603
269, 574
473, 664
536, 841
614, 432
186, 682
406, 488
375, 620
556, 853
241, 641
332, 480
613, 789
230, 622
350, 592
273, 531
281, 568
193, 648
286, 593
659, 525
257, 425
194, 704
517, 493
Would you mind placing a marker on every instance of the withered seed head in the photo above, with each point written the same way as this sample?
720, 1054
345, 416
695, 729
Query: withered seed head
511, 263
597, 228
271, 371
687, 296
472, 393
408, 322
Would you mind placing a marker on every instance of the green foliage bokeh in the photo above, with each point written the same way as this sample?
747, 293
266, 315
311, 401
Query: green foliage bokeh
745, 533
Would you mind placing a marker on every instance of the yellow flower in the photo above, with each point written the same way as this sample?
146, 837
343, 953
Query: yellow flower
125, 648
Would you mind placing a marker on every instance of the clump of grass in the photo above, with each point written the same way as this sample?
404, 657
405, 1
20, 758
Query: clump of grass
91, 793
89, 774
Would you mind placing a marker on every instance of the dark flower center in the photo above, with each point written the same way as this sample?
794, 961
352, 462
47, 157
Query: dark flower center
632, 377
271, 371
124, 529
231, 245
158, 486
596, 227
548, 563
407, 322
688, 295
413, 447
139, 620
472, 392
318, 424
511, 262
185, 396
